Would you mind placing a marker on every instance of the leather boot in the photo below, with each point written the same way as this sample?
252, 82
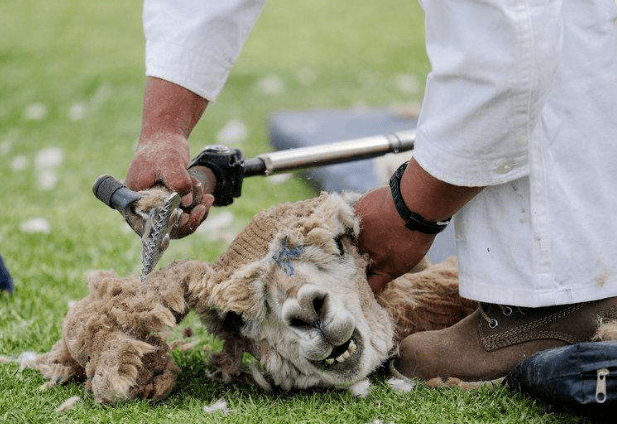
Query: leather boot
490, 342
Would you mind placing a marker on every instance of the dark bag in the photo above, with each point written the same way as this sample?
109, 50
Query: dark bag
6, 282
582, 374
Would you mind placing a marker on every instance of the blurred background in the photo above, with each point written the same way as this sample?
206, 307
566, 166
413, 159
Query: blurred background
71, 86
72, 77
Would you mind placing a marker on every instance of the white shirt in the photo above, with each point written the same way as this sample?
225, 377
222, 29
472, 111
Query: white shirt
538, 125
195, 43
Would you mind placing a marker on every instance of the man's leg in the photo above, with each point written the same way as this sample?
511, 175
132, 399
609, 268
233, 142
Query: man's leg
489, 343
546, 242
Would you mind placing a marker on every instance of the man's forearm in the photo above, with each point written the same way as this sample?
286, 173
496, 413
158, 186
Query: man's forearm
169, 109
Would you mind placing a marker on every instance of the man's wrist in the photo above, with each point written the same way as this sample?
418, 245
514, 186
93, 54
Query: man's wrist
413, 220
433, 199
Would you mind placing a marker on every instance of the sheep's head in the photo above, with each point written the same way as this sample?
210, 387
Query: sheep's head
303, 307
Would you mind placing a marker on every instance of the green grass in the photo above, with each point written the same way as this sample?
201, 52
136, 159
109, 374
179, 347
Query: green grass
65, 55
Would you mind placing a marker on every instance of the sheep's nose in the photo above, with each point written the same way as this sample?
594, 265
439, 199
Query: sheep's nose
306, 310
314, 312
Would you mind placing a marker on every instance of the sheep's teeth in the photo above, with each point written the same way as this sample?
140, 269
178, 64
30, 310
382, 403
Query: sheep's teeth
343, 357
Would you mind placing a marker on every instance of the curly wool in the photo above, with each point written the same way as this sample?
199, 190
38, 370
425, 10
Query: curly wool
114, 338
426, 300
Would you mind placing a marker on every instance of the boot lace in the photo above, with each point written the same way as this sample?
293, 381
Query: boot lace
493, 322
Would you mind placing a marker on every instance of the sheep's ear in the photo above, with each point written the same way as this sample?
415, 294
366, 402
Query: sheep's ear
336, 214
242, 292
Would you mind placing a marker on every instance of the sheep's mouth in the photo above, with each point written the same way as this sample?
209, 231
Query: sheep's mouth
343, 356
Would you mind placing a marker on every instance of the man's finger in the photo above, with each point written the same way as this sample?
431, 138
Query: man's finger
378, 282
189, 222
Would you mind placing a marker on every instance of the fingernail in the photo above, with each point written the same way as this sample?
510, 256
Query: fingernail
199, 210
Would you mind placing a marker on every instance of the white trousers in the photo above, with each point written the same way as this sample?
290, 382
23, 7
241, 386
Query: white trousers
522, 98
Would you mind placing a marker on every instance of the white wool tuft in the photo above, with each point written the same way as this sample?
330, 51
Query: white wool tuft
68, 404
361, 388
35, 225
235, 131
26, 359
218, 406
401, 385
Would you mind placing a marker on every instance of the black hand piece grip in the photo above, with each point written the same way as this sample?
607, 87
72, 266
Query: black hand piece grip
114, 194
226, 170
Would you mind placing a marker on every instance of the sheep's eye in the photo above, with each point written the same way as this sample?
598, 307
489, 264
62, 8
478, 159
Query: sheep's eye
339, 245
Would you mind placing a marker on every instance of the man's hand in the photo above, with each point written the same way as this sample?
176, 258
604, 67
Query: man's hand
162, 155
393, 249
164, 161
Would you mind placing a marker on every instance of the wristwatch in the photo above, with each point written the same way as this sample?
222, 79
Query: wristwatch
413, 221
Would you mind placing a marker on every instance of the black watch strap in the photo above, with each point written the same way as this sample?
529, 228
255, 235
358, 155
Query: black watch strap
413, 220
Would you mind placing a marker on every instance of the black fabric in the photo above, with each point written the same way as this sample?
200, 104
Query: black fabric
570, 376
6, 282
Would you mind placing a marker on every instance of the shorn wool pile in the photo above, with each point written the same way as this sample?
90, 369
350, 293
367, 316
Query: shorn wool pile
291, 290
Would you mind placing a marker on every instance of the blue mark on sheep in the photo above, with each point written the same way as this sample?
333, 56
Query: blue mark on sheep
284, 257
